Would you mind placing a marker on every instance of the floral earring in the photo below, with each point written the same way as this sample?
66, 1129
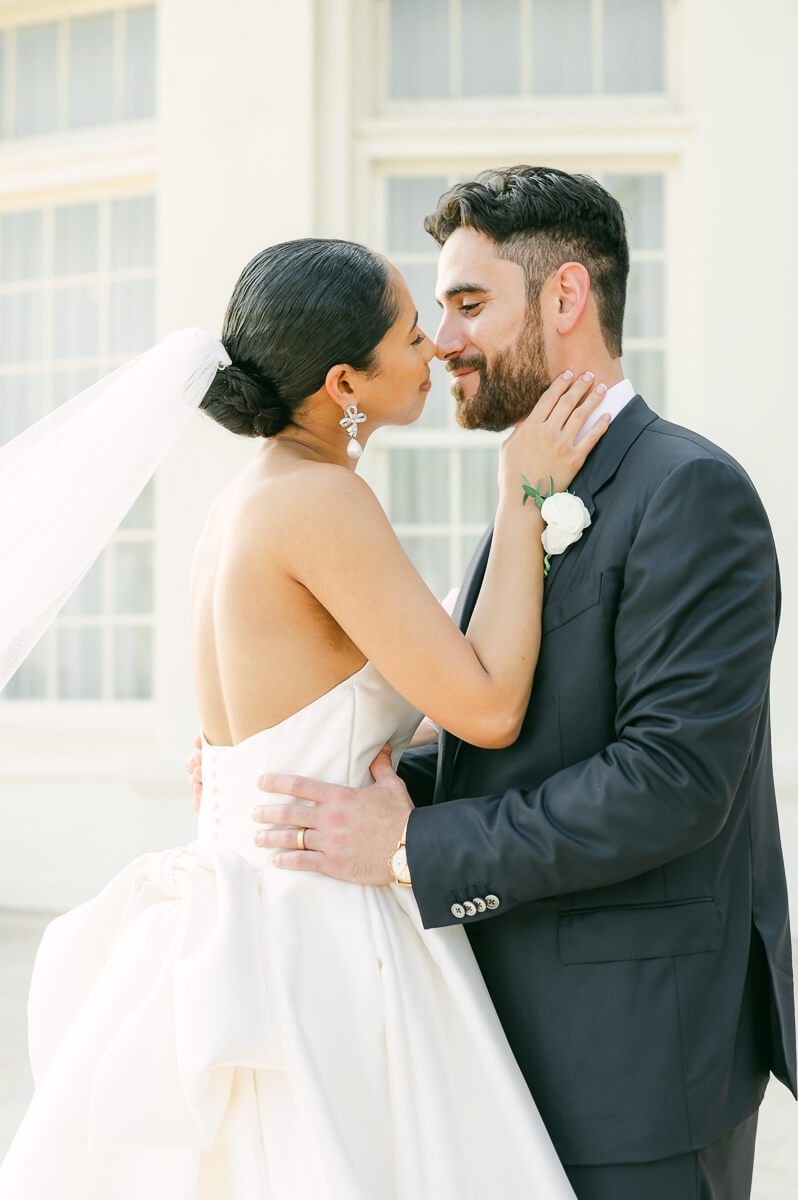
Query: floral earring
350, 423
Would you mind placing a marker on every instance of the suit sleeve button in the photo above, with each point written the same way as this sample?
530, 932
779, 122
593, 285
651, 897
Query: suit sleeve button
458, 911
492, 902
479, 903
470, 909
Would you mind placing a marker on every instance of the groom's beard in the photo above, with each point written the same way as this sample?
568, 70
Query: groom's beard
509, 386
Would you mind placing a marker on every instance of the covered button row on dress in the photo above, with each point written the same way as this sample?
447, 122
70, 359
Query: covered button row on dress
210, 801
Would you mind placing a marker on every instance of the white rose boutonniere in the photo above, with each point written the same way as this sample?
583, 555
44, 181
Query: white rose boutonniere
565, 515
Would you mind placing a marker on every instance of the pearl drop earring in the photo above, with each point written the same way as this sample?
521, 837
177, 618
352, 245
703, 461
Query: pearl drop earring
350, 423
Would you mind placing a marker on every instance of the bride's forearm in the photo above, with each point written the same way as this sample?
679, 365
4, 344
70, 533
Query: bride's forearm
504, 630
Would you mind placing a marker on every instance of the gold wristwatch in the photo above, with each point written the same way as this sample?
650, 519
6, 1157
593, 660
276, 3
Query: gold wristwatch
398, 860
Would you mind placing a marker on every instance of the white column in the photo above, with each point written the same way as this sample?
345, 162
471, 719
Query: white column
740, 289
237, 137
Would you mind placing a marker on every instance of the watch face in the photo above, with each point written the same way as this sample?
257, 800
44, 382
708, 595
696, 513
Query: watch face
399, 865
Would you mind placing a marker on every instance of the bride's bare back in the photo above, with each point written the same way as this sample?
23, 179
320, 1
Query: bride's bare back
264, 646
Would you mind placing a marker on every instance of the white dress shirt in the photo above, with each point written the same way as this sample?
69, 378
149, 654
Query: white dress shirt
618, 396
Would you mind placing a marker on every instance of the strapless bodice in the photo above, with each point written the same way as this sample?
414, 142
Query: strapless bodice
334, 738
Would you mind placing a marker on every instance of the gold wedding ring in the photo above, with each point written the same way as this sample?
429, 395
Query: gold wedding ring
300, 838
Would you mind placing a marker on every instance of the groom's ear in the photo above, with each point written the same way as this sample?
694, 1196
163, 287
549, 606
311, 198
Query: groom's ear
571, 294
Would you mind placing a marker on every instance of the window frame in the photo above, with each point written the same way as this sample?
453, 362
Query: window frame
375, 17
61, 13
621, 134
104, 161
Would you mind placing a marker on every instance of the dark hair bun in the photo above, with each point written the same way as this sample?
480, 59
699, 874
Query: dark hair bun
297, 310
246, 402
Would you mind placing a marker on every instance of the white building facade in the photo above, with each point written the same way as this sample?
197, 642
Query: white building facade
148, 151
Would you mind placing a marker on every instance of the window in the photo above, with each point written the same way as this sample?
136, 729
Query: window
453, 49
438, 481
72, 74
77, 298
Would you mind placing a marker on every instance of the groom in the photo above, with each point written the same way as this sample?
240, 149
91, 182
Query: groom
618, 869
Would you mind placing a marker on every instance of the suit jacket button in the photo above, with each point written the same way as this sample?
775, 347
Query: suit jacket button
458, 911
480, 904
470, 909
492, 901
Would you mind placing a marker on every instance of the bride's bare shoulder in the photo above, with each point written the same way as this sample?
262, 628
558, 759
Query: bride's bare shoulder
300, 505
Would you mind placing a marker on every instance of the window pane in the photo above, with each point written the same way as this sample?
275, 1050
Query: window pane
420, 279
491, 38
133, 577
74, 380
645, 300
140, 64
133, 232
409, 201
643, 199
562, 41
132, 316
646, 369
88, 599
30, 681
479, 489
77, 243
468, 544
142, 514
22, 327
37, 80
133, 658
420, 486
22, 245
76, 322
430, 557
439, 405
79, 664
91, 83
633, 46
2, 86
419, 46
22, 403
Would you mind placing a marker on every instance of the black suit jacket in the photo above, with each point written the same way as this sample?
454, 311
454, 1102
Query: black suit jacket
639, 951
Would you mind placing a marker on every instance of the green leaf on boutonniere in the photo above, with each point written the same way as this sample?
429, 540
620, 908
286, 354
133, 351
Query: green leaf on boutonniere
536, 494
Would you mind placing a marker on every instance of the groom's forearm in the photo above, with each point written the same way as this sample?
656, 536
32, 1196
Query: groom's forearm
692, 668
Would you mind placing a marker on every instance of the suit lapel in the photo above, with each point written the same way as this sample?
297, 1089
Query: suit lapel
600, 468
596, 473
469, 591
472, 581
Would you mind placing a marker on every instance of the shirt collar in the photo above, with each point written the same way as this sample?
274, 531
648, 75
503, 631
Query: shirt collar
617, 398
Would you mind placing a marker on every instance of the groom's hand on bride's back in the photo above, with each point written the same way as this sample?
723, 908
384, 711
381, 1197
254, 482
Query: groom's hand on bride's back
349, 833
194, 770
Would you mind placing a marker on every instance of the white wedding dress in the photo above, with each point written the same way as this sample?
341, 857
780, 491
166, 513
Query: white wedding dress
212, 1028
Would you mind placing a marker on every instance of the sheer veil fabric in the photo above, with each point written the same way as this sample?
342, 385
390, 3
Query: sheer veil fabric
67, 482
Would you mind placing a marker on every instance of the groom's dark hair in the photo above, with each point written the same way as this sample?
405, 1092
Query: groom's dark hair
541, 218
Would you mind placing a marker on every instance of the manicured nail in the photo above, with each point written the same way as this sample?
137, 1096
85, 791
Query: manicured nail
588, 375
567, 374
601, 389
259, 814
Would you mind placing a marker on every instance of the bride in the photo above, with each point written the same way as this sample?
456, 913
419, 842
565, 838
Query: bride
210, 1026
